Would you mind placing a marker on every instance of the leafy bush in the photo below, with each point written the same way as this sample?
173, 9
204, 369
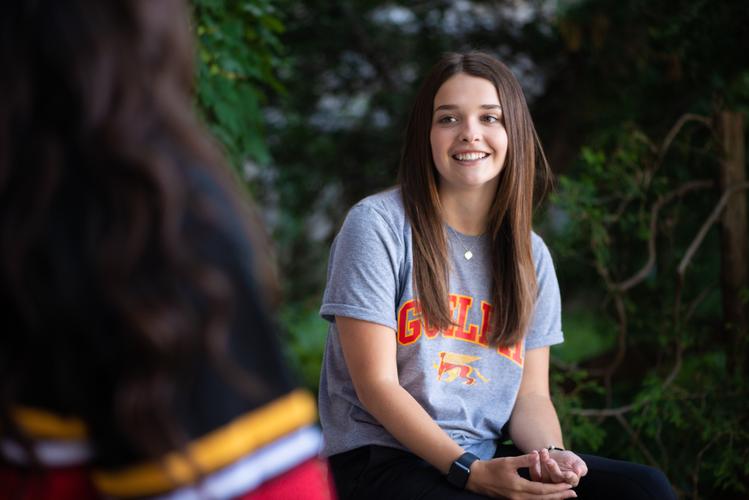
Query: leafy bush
648, 375
239, 55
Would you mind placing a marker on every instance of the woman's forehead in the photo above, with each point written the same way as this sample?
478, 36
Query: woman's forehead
463, 90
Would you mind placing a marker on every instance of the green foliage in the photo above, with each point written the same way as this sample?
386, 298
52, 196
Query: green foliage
679, 407
673, 399
240, 54
568, 389
591, 334
305, 338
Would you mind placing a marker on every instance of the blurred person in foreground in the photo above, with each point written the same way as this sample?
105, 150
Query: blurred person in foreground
137, 355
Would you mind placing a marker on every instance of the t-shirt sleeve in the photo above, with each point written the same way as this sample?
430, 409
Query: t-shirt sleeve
546, 322
363, 269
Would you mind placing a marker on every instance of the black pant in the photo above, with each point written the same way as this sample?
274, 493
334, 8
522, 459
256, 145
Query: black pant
378, 472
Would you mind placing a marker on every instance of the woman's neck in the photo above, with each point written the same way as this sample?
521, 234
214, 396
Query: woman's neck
466, 211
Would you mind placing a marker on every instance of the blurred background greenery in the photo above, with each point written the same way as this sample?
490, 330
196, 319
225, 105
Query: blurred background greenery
639, 105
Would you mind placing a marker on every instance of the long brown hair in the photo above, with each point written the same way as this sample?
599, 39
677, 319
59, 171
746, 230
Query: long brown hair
104, 289
510, 216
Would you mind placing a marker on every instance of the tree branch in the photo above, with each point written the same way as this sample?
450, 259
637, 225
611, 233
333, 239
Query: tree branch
621, 312
640, 275
638, 442
603, 412
621, 410
649, 172
683, 120
621, 350
698, 464
706, 226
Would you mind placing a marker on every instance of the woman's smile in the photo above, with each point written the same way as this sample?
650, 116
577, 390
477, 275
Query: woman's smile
470, 157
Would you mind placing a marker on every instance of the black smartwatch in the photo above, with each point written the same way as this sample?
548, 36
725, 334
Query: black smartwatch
460, 470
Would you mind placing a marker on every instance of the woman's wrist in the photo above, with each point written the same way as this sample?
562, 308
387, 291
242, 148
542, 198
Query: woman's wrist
475, 479
460, 470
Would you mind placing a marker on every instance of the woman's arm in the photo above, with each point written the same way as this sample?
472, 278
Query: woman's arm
370, 353
534, 424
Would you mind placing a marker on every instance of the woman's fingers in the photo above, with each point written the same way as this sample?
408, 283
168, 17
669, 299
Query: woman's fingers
500, 478
535, 488
564, 471
570, 461
555, 496
552, 468
535, 469
581, 467
527, 460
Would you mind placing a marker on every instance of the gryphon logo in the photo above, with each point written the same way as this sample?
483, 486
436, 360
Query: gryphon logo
458, 365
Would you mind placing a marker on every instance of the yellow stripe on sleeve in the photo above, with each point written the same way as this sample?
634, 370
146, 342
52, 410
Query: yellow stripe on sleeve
44, 425
213, 451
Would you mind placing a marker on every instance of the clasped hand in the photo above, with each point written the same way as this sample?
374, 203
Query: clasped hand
499, 477
558, 466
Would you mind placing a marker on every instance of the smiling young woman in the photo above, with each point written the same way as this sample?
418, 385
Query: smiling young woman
442, 305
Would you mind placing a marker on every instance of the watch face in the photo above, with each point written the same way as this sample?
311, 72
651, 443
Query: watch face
461, 469
458, 476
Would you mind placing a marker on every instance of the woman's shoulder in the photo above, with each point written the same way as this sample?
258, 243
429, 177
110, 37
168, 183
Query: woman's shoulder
541, 253
537, 241
387, 202
383, 209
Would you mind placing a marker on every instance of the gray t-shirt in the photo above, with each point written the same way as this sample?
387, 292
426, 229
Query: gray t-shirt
468, 388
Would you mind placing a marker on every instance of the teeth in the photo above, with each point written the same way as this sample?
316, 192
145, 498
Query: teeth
470, 156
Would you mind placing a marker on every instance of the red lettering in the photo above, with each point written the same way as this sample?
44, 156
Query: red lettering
514, 353
464, 304
517, 354
486, 320
411, 324
431, 331
409, 331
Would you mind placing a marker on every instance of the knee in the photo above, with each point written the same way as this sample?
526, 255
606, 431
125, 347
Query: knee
655, 483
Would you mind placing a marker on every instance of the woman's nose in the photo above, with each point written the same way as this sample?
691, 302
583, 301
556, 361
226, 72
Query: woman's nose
469, 133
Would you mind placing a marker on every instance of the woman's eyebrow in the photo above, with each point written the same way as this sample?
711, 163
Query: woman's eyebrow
453, 107
446, 106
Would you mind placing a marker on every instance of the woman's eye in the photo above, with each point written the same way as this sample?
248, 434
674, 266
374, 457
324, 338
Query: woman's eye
447, 119
491, 118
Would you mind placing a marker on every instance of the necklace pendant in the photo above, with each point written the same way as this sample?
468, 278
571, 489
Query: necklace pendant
468, 255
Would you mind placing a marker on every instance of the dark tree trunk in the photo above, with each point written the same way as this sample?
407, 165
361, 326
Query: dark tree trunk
734, 248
